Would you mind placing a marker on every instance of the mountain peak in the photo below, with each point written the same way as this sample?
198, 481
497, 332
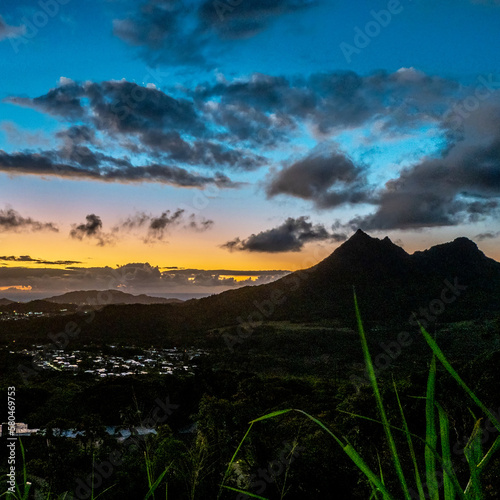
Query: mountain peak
361, 234
362, 241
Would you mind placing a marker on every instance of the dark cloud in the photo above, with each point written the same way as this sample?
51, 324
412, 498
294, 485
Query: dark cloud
117, 106
10, 220
146, 119
83, 163
92, 229
245, 19
7, 31
157, 227
463, 186
27, 258
487, 236
200, 152
333, 101
177, 32
290, 236
64, 101
160, 29
329, 180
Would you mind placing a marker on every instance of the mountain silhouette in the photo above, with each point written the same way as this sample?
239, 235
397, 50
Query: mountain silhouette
450, 282
389, 282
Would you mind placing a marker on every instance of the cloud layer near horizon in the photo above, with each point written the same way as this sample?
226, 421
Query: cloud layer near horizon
132, 278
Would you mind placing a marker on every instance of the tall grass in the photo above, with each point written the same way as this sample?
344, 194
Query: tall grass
438, 462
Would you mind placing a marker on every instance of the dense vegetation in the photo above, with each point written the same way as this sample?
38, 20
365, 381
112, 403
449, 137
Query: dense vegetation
317, 367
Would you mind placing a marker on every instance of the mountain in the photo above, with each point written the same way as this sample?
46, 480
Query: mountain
6, 302
389, 283
108, 297
450, 282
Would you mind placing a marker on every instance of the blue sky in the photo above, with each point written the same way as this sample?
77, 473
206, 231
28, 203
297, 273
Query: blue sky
241, 136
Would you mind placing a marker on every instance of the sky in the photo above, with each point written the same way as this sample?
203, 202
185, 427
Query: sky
182, 147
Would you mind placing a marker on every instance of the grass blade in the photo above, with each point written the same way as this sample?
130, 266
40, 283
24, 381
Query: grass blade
270, 415
439, 354
380, 405
228, 470
431, 434
244, 492
448, 471
489, 455
354, 456
407, 432
473, 454
155, 485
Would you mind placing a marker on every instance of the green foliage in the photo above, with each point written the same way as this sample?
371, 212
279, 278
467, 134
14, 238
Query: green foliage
436, 418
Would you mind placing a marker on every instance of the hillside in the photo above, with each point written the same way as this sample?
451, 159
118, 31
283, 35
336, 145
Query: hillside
390, 284
450, 282
107, 297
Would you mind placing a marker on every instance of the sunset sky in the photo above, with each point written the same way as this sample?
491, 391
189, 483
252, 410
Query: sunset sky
167, 146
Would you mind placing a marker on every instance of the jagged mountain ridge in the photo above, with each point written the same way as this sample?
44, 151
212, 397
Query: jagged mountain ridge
389, 283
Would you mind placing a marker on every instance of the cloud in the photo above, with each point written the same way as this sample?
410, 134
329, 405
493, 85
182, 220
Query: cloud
132, 278
83, 163
92, 229
462, 186
146, 121
7, 31
487, 236
27, 258
116, 106
177, 32
10, 220
333, 101
246, 19
327, 179
200, 152
290, 236
157, 227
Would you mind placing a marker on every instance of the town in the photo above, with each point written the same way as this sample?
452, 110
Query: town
117, 362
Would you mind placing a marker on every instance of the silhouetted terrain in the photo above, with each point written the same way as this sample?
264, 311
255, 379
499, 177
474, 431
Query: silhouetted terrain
107, 297
450, 282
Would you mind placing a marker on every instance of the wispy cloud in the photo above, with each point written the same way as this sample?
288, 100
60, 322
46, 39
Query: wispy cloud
157, 227
10, 220
8, 31
92, 229
27, 258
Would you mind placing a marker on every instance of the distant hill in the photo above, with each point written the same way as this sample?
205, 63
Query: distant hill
38, 306
107, 297
5, 302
